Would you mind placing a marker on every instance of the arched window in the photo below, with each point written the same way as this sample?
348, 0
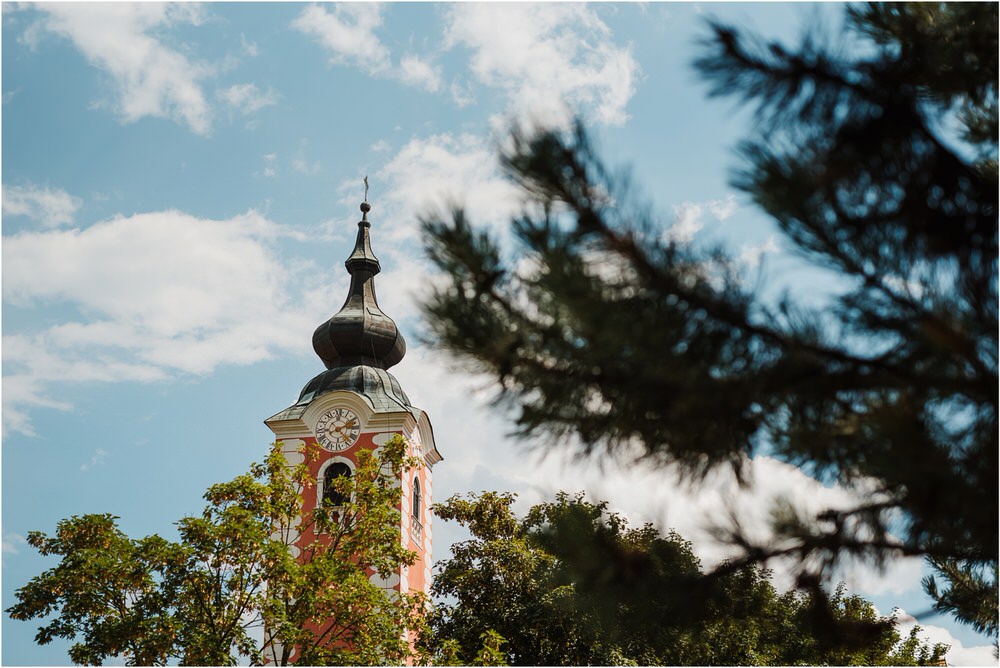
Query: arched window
416, 499
331, 497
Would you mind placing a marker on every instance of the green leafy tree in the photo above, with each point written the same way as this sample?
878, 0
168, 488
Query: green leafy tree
106, 590
447, 651
571, 584
364, 624
879, 167
231, 579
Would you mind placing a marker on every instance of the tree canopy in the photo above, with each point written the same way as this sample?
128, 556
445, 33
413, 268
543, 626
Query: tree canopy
880, 166
571, 584
230, 588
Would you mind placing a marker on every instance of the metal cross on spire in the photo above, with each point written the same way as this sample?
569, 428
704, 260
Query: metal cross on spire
365, 206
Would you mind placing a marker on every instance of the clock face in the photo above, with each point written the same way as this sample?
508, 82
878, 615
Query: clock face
338, 429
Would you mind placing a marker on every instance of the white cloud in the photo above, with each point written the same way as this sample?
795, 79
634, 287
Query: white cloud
959, 654
722, 209
303, 166
687, 223
107, 267
461, 93
12, 543
899, 576
121, 39
48, 206
249, 48
430, 174
380, 146
95, 459
415, 71
689, 218
21, 393
157, 294
247, 98
553, 60
750, 256
269, 169
347, 31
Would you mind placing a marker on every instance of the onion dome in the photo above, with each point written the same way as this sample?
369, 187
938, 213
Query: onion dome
360, 342
360, 333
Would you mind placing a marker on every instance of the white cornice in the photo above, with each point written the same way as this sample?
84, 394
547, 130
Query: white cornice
300, 421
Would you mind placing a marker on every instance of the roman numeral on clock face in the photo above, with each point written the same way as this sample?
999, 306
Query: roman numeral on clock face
338, 429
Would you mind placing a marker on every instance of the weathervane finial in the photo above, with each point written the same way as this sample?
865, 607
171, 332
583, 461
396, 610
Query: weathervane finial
365, 206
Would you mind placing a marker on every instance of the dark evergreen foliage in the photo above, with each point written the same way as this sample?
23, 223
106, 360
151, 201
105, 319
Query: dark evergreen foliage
571, 584
881, 167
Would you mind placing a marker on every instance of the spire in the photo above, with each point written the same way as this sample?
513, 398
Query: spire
360, 334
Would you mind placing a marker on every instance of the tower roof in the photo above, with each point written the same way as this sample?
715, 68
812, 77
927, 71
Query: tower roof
360, 333
360, 342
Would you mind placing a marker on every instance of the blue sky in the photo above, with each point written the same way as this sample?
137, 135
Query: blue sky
180, 187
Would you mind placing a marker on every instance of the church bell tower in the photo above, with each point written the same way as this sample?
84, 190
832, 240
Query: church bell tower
355, 405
